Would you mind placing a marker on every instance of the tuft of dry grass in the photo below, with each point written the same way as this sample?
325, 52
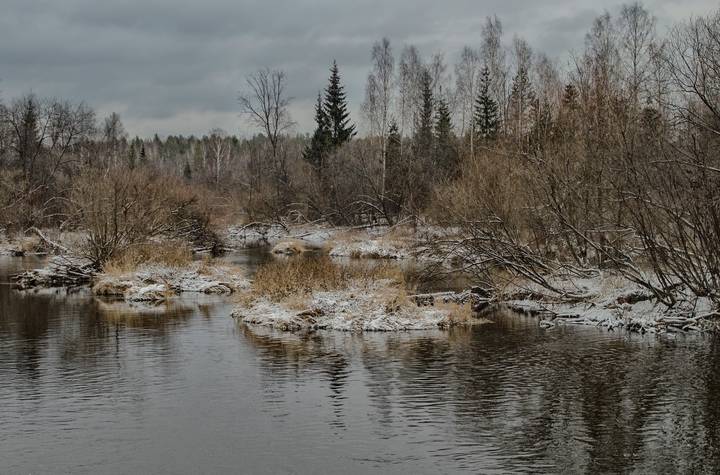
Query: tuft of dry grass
172, 254
457, 313
282, 279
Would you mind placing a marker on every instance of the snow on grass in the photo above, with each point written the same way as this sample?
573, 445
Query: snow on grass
371, 249
355, 309
158, 282
608, 300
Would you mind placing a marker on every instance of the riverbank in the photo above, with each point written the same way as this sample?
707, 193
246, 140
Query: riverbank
153, 283
603, 299
320, 294
361, 242
610, 301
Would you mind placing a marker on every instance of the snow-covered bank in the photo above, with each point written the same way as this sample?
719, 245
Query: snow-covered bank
369, 249
59, 271
377, 242
157, 282
379, 307
610, 301
264, 235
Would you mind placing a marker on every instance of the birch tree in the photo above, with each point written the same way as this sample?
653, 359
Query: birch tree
378, 100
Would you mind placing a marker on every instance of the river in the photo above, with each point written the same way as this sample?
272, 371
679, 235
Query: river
90, 386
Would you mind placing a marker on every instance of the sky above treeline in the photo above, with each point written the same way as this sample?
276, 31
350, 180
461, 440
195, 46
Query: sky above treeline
176, 66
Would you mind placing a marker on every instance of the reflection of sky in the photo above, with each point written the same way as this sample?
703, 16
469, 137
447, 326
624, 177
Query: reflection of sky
99, 386
175, 67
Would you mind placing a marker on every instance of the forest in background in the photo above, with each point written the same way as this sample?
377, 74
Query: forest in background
609, 162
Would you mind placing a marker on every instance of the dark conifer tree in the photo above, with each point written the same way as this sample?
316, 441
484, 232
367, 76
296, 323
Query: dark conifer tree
336, 110
28, 136
424, 123
486, 117
446, 155
319, 146
420, 170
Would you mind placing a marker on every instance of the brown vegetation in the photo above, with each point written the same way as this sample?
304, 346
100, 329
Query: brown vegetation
280, 279
614, 164
168, 253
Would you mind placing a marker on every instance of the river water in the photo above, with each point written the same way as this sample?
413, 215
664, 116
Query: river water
90, 386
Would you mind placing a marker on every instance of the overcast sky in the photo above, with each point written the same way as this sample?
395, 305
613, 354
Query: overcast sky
176, 66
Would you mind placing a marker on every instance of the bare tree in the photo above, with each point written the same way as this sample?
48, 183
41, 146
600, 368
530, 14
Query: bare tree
492, 54
45, 131
467, 74
220, 148
637, 32
410, 73
113, 134
693, 58
378, 100
267, 106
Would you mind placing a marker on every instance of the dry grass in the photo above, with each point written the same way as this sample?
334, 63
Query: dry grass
282, 279
172, 254
31, 244
457, 313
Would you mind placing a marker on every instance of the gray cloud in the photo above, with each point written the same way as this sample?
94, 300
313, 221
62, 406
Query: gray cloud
175, 66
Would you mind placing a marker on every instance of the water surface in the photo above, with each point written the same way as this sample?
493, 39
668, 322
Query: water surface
91, 386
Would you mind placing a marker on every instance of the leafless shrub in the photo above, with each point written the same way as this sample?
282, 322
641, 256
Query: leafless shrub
119, 211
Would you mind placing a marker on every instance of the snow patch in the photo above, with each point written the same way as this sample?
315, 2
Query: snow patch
154, 282
352, 310
372, 249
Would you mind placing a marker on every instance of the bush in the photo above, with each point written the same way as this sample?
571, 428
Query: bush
121, 210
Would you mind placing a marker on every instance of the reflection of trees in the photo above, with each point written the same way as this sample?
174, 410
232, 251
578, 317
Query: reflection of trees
570, 399
56, 332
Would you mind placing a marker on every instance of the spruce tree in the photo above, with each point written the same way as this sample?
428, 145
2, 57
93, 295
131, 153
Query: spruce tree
446, 156
486, 117
424, 123
28, 135
319, 146
420, 169
336, 110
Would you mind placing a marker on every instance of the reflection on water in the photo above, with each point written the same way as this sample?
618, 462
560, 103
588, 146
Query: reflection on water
94, 386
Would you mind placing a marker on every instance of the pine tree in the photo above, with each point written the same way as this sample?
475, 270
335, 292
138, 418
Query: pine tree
336, 110
318, 148
486, 118
446, 156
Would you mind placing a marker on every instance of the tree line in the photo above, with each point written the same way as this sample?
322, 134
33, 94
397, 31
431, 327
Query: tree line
610, 161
